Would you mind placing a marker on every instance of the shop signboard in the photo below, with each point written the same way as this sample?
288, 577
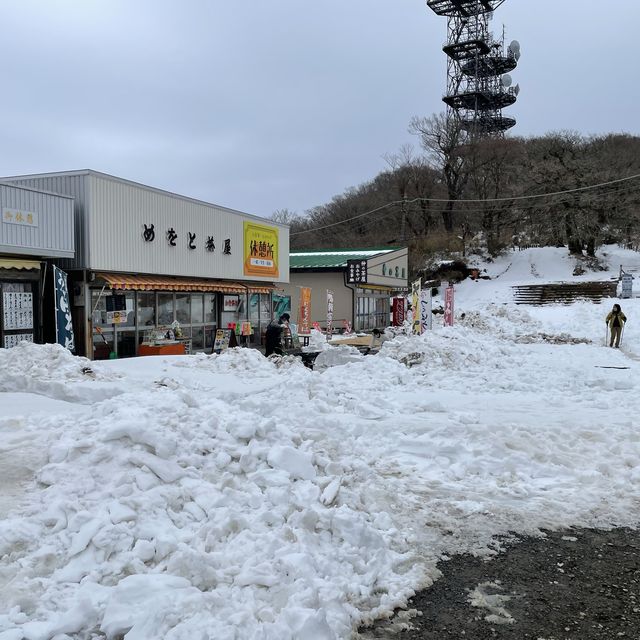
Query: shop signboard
230, 303
116, 317
448, 306
426, 316
356, 271
329, 312
416, 322
16, 216
304, 310
17, 310
260, 255
225, 338
627, 285
13, 339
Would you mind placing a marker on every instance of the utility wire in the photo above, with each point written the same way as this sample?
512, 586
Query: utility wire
463, 201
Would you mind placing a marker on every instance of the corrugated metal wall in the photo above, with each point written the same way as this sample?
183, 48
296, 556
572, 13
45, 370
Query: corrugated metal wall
51, 234
110, 215
76, 185
120, 211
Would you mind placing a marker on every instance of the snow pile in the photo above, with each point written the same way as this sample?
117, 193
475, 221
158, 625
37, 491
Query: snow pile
234, 496
173, 514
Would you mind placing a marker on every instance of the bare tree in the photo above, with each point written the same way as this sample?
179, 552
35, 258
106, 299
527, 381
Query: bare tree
443, 140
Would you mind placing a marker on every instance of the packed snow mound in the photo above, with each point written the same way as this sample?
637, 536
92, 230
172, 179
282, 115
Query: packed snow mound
336, 356
235, 496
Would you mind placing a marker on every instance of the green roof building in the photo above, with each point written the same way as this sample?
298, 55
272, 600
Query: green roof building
362, 282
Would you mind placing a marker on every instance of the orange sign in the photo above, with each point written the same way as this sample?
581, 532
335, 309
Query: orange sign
304, 311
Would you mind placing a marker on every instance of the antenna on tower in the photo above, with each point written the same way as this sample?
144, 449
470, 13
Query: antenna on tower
477, 67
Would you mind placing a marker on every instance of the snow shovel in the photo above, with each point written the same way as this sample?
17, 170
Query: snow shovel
112, 354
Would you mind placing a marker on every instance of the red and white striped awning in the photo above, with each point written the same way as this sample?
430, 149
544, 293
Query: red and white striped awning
129, 282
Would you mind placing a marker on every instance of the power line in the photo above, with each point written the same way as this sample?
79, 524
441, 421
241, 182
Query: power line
463, 201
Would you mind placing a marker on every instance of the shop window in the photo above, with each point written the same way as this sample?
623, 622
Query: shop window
210, 310
197, 338
130, 306
98, 309
197, 308
209, 337
165, 308
146, 309
183, 308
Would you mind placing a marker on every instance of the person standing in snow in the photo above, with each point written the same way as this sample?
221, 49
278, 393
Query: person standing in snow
615, 321
273, 335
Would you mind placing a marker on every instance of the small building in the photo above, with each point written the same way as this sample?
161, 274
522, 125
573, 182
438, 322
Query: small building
146, 259
37, 227
362, 282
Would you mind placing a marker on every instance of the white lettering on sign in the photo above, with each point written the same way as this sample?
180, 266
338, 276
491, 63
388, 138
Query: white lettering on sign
17, 216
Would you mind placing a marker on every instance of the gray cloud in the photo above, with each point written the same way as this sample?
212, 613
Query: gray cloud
261, 105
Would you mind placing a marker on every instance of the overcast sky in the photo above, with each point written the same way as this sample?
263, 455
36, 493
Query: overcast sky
261, 105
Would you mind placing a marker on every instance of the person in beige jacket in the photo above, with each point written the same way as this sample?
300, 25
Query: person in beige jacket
615, 321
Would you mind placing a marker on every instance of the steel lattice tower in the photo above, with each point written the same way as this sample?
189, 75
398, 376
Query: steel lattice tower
478, 66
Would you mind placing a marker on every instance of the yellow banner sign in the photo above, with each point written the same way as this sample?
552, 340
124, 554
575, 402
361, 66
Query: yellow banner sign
260, 250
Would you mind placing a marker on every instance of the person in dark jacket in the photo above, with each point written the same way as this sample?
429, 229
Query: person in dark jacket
273, 335
615, 321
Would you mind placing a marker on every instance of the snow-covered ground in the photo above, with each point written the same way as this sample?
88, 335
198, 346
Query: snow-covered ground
231, 497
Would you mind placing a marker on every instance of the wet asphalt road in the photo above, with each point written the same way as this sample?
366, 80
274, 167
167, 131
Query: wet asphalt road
581, 584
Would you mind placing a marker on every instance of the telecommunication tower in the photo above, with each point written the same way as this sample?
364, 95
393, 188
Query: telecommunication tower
478, 82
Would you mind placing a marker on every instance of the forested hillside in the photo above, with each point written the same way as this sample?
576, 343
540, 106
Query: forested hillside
560, 189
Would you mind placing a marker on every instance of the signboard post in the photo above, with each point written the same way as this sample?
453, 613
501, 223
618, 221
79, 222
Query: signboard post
426, 316
304, 310
329, 313
398, 312
448, 306
225, 338
64, 325
416, 323
627, 285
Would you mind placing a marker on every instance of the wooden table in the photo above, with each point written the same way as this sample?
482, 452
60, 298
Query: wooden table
171, 349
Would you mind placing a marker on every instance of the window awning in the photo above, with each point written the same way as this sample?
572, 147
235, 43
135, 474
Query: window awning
375, 287
16, 263
166, 283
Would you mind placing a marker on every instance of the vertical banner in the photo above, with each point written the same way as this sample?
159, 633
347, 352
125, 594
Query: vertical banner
448, 306
64, 325
398, 312
415, 307
426, 317
329, 312
304, 311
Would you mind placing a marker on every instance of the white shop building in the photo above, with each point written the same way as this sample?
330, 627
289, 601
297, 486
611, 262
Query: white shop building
36, 228
147, 258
